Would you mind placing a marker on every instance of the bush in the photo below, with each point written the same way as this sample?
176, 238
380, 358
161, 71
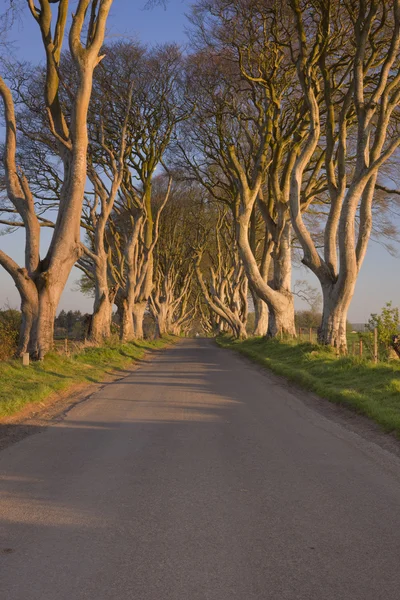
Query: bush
10, 324
307, 319
387, 323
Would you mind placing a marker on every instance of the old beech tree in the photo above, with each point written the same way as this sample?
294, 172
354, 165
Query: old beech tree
42, 280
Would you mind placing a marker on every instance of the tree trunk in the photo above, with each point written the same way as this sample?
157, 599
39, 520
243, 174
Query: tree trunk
50, 285
100, 328
221, 325
162, 321
126, 324
175, 329
261, 315
138, 311
332, 331
29, 313
42, 334
281, 317
241, 332
280, 301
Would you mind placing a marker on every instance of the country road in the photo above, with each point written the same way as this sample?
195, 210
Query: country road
198, 477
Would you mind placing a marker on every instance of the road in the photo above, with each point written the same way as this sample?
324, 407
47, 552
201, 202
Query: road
198, 477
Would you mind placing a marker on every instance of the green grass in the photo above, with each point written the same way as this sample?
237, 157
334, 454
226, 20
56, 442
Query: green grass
22, 385
369, 389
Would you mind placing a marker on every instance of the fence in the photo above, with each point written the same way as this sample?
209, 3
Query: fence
365, 345
66, 346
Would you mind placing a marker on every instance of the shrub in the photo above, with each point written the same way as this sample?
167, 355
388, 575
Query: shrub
387, 323
10, 324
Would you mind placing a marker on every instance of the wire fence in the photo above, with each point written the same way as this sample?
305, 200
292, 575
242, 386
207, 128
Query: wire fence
68, 347
364, 345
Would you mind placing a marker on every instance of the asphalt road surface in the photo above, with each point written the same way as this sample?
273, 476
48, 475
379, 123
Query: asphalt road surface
198, 477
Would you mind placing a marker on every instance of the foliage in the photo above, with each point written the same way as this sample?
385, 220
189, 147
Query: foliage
71, 324
10, 324
367, 388
387, 323
307, 319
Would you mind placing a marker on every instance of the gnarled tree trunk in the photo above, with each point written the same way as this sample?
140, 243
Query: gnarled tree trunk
139, 309
100, 328
279, 301
126, 321
261, 316
336, 302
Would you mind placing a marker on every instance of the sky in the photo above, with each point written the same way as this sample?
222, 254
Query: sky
379, 279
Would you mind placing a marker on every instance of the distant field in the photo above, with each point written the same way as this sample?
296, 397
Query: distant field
23, 385
369, 389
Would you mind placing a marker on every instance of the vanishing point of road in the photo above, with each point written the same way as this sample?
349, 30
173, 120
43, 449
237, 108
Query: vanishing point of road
198, 477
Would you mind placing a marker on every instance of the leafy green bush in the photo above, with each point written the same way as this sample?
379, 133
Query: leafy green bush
10, 323
387, 323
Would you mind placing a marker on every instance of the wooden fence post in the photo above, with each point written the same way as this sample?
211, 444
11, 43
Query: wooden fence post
361, 348
375, 345
310, 335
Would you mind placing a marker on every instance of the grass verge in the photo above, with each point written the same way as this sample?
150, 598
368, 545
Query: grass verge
369, 389
23, 385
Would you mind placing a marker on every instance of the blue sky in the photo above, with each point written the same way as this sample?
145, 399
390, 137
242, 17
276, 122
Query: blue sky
379, 280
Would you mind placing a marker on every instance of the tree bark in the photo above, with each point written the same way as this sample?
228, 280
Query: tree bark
281, 317
101, 320
261, 315
280, 302
42, 335
29, 314
333, 328
163, 324
100, 328
139, 309
126, 321
241, 332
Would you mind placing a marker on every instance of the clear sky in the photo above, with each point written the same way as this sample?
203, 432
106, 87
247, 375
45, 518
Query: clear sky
379, 280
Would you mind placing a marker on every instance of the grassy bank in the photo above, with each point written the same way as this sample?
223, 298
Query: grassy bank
369, 389
22, 385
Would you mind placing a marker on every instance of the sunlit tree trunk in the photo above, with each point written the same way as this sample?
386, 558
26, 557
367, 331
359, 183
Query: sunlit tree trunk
280, 301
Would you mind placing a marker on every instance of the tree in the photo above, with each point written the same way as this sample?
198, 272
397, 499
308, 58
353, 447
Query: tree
109, 120
172, 300
220, 272
347, 61
158, 105
241, 136
41, 281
